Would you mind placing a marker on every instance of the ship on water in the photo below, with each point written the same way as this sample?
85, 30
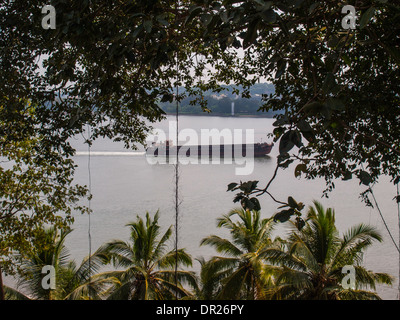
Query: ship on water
218, 150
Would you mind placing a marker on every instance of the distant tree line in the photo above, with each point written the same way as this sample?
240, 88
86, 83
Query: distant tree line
245, 102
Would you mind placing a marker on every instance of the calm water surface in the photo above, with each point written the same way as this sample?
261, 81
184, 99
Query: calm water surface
124, 186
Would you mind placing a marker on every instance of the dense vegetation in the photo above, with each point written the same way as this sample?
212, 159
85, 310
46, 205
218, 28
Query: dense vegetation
252, 263
107, 66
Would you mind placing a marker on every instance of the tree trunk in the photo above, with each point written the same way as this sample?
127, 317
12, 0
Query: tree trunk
2, 296
398, 213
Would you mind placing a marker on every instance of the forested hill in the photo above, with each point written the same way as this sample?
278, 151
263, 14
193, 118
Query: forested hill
221, 103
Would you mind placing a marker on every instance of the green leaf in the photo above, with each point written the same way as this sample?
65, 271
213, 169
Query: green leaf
247, 204
366, 17
278, 133
167, 97
248, 186
329, 83
281, 120
281, 67
313, 108
283, 157
333, 41
193, 12
335, 104
285, 164
290, 139
299, 169
314, 6
254, 184
148, 25
364, 177
206, 19
292, 203
300, 206
326, 111
283, 215
231, 186
256, 203
238, 197
162, 21
346, 59
347, 176
268, 16
251, 34
259, 2
296, 138
286, 144
309, 136
304, 126
137, 31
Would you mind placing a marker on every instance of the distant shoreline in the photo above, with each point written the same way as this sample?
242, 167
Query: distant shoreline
221, 115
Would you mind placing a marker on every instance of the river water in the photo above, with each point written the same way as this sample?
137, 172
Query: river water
125, 185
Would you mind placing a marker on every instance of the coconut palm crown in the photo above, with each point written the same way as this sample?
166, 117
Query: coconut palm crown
240, 273
313, 259
145, 267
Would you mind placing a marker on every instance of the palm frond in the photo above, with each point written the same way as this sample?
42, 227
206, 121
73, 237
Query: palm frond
162, 245
13, 294
234, 284
353, 243
122, 292
95, 289
169, 260
358, 295
119, 252
368, 279
183, 276
222, 245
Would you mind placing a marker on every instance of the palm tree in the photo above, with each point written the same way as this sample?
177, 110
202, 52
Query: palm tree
53, 253
208, 283
72, 282
313, 260
147, 267
241, 272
